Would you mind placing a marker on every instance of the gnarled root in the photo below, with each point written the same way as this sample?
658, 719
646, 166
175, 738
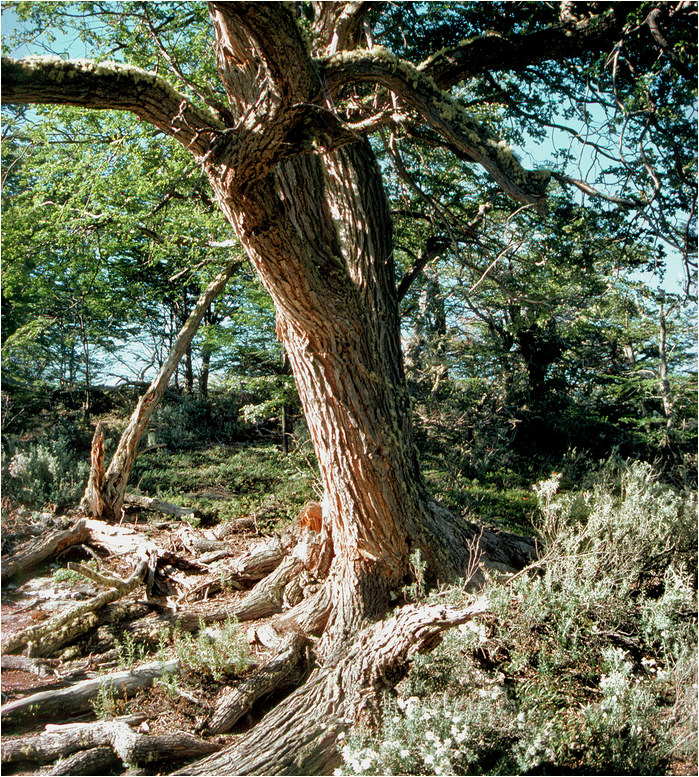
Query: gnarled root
300, 735
285, 670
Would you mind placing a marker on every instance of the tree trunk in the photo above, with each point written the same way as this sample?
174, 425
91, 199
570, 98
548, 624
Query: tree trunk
663, 375
204, 372
106, 501
318, 233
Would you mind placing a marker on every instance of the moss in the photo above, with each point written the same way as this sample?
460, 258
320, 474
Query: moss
59, 69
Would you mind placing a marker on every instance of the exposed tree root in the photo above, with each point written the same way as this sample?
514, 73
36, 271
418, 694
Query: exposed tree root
299, 736
303, 590
285, 670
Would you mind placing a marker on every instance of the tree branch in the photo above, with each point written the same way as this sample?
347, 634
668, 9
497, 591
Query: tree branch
277, 41
444, 114
110, 86
493, 52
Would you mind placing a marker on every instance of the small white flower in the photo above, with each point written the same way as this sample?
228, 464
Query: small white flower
404, 753
429, 759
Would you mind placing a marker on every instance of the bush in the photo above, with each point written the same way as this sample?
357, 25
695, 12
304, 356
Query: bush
52, 471
585, 666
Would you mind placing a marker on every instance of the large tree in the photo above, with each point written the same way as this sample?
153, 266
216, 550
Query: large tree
283, 139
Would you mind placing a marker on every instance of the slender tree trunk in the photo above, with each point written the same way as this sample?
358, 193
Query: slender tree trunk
663, 374
188, 371
204, 372
113, 486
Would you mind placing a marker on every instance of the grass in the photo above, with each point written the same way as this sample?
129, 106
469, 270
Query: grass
230, 482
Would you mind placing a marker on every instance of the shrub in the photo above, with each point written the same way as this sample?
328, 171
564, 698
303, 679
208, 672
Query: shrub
585, 666
51, 471
214, 652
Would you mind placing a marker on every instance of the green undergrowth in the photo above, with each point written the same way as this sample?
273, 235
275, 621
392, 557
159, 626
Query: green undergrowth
489, 502
230, 482
585, 665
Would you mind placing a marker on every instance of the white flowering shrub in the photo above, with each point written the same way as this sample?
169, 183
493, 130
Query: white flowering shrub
425, 737
588, 665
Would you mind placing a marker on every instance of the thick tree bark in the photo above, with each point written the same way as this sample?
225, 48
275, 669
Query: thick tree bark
104, 496
284, 670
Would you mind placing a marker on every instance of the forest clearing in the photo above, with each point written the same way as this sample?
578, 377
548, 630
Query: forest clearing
349, 417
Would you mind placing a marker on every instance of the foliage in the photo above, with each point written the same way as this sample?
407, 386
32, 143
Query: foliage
53, 471
231, 482
129, 652
584, 665
214, 652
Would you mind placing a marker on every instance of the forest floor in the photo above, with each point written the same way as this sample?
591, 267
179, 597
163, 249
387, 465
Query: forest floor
188, 590
161, 663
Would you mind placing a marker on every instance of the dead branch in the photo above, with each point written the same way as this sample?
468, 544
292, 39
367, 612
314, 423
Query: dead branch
76, 698
36, 551
156, 505
96, 760
56, 741
32, 636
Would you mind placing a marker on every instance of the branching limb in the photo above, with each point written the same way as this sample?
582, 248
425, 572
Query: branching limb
110, 85
443, 113
492, 52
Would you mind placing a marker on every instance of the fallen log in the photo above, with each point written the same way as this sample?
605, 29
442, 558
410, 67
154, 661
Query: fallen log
76, 698
128, 746
285, 670
42, 635
38, 666
253, 565
229, 528
56, 741
308, 561
133, 748
35, 551
96, 760
196, 542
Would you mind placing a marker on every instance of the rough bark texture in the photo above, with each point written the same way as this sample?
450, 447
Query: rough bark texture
36, 551
299, 736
